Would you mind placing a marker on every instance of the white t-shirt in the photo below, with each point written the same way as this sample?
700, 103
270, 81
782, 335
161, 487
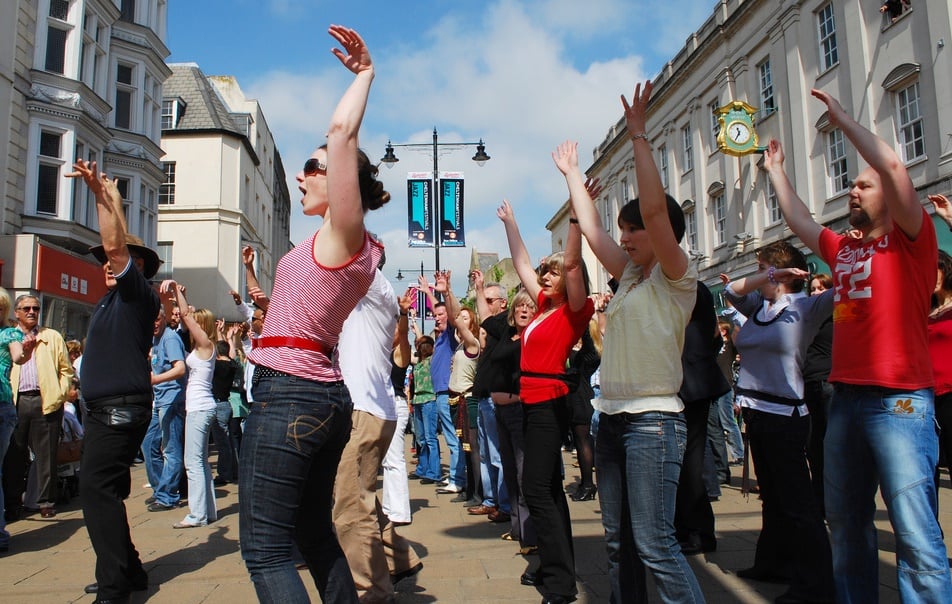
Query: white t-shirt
366, 343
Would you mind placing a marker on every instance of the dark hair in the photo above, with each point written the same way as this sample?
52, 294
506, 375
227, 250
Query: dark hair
222, 348
630, 213
372, 194
782, 254
945, 265
424, 346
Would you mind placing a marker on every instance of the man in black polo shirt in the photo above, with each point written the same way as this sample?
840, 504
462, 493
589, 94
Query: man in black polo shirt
118, 391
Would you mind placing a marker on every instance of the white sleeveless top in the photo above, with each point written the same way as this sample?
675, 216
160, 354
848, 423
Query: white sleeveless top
198, 392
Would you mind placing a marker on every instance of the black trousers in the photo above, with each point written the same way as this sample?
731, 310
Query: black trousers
108, 452
545, 425
38, 433
693, 514
793, 540
818, 395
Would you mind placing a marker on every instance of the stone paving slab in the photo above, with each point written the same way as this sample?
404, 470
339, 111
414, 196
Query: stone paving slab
50, 560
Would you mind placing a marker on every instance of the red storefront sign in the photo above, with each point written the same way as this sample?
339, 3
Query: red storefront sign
63, 275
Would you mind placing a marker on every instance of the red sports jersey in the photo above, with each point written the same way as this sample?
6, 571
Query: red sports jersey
881, 307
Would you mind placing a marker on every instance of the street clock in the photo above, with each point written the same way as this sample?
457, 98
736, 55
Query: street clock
736, 134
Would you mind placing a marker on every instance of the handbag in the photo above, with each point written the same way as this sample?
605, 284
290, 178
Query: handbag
70, 448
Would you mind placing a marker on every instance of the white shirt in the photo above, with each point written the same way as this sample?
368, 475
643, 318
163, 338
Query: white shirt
365, 348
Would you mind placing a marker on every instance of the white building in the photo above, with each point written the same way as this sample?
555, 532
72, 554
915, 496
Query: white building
224, 188
894, 77
78, 78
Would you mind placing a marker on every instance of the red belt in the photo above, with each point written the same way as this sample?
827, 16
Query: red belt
292, 342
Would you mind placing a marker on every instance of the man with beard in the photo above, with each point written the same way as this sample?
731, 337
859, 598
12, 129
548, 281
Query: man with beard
881, 427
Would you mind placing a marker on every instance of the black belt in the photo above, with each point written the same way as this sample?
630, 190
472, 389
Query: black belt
29, 393
767, 397
139, 400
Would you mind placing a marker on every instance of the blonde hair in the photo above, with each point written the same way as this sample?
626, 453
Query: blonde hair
595, 331
553, 264
521, 297
5, 304
206, 320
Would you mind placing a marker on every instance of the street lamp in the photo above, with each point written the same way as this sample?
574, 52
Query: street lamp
389, 158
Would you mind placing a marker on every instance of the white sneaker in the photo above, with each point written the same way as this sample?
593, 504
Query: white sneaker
450, 488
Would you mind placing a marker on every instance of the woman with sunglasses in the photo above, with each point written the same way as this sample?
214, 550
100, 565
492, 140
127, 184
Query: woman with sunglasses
301, 416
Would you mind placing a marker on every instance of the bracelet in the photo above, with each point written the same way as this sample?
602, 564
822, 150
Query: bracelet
770, 274
641, 135
405, 314
573, 220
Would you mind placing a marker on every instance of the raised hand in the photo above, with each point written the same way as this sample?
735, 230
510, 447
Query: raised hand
355, 55
635, 113
88, 172
725, 278
565, 157
423, 284
169, 286
235, 296
943, 208
441, 281
477, 277
248, 256
773, 156
504, 212
833, 106
786, 275
406, 300
594, 187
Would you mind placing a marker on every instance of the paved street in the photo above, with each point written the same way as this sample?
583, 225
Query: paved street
464, 558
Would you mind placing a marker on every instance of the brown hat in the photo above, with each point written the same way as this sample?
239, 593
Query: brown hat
136, 246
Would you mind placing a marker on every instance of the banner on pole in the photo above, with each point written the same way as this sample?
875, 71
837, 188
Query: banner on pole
452, 231
420, 229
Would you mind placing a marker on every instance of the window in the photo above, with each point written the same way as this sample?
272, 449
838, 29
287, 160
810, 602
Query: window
93, 53
167, 190
56, 49
690, 229
688, 147
773, 205
826, 34
172, 112
59, 9
720, 218
767, 103
127, 11
715, 125
624, 194
164, 250
663, 165
910, 123
125, 93
48, 172
836, 156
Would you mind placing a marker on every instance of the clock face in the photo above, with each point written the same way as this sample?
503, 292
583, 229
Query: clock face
739, 132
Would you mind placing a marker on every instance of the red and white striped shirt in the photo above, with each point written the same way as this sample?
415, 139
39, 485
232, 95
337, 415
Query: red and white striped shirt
312, 301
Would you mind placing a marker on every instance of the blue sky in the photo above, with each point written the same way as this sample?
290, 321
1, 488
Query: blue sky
521, 75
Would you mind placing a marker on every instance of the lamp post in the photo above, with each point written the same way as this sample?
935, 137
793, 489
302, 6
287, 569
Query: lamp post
421, 297
480, 158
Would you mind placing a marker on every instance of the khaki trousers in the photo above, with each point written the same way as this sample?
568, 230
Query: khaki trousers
370, 543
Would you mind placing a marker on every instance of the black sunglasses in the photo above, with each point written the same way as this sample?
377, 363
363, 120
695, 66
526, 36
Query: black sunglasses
29, 308
313, 166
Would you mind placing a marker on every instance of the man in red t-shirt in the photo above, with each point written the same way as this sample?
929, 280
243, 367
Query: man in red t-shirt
881, 425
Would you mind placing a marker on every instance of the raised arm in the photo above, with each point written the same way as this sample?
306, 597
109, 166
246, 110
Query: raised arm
795, 213
943, 209
112, 220
344, 222
608, 252
898, 191
441, 281
401, 340
200, 340
424, 286
517, 250
482, 305
258, 296
572, 265
652, 201
745, 285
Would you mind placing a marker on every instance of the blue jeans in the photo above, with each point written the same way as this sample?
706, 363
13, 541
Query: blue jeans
886, 438
490, 462
735, 442
457, 469
201, 490
8, 421
638, 461
292, 444
428, 445
163, 446
227, 455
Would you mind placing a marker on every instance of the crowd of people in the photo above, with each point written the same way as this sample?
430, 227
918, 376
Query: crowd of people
311, 397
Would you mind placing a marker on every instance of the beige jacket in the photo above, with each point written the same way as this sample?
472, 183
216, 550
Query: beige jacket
53, 370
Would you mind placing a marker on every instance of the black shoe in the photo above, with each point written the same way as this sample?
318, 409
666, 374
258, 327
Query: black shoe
120, 600
220, 482
140, 583
530, 578
149, 500
584, 493
404, 574
789, 597
460, 498
557, 600
755, 574
159, 507
427, 481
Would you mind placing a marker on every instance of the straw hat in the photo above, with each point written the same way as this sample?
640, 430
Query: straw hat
136, 247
